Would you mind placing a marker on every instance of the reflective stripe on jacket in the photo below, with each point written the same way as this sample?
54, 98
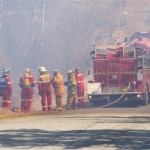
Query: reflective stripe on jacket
44, 83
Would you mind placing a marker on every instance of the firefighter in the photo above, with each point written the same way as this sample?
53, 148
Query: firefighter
134, 85
119, 50
5, 89
27, 82
44, 87
58, 85
71, 90
80, 87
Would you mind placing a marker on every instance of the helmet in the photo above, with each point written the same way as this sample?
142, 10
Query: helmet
5, 70
70, 71
76, 70
42, 69
27, 70
55, 71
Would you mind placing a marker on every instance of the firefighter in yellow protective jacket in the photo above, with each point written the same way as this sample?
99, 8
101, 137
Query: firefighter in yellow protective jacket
71, 90
58, 85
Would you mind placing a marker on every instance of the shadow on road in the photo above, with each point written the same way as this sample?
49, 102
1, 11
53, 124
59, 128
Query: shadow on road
75, 139
114, 119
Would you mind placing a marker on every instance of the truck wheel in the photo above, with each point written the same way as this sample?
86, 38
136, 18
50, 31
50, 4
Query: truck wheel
146, 97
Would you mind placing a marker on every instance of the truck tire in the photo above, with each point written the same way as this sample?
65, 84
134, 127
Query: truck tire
146, 96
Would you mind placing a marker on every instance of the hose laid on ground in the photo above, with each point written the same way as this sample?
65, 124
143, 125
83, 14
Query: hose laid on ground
118, 98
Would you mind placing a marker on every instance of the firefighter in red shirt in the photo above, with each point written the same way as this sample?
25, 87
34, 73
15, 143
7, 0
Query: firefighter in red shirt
80, 87
6, 89
134, 85
27, 82
44, 87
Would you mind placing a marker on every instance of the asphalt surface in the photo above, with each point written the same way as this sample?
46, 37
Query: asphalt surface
90, 128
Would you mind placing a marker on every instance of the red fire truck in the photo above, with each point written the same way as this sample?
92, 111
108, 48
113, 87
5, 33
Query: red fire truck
121, 74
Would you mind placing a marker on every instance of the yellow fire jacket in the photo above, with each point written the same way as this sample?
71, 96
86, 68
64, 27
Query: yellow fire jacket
58, 84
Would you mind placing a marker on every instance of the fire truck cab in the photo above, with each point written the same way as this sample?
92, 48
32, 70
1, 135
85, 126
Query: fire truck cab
122, 73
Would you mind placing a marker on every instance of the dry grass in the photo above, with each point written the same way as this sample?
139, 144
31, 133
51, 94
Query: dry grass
6, 114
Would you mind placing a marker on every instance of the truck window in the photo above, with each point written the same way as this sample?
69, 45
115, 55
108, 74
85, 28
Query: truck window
128, 52
140, 62
143, 62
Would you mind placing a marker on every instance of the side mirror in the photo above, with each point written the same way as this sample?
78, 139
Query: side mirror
89, 72
92, 52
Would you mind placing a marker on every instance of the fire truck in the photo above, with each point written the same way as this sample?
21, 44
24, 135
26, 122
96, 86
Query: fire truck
121, 74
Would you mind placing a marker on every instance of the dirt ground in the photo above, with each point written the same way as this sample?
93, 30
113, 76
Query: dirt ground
91, 128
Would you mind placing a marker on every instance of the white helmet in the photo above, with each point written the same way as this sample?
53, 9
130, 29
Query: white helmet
55, 71
27, 70
42, 69
70, 71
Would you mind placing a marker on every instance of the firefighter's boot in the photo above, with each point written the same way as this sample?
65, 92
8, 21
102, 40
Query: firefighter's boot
44, 108
60, 108
81, 102
29, 103
50, 108
23, 105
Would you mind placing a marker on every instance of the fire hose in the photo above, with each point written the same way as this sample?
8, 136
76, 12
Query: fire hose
118, 98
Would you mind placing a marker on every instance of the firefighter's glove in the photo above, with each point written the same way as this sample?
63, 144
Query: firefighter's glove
53, 80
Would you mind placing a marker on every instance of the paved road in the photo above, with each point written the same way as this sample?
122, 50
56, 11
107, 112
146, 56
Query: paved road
85, 129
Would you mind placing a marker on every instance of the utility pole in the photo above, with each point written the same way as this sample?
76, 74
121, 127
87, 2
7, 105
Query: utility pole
1, 10
43, 23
